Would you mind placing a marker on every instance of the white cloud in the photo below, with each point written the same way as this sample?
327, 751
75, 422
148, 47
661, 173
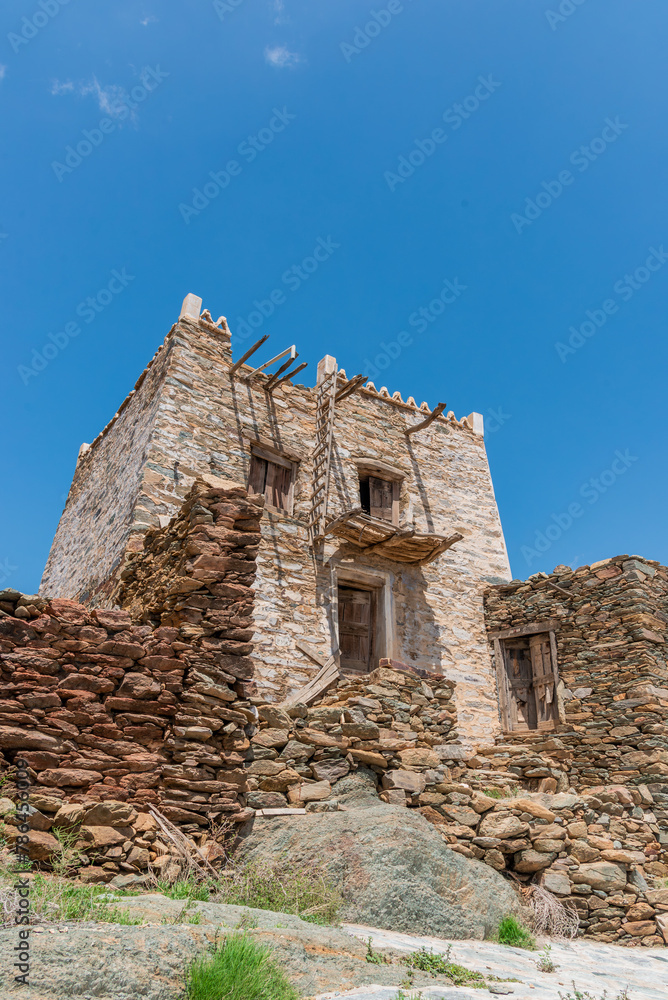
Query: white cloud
111, 99
279, 8
280, 57
64, 87
149, 19
3, 70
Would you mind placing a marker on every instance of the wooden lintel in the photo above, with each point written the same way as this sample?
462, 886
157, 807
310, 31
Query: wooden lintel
251, 350
436, 412
550, 625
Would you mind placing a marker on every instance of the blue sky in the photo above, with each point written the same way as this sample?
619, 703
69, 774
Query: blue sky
515, 149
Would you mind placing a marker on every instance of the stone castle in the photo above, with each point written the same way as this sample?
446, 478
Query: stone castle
257, 587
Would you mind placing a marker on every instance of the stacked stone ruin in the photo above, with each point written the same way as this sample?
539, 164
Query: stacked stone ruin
113, 713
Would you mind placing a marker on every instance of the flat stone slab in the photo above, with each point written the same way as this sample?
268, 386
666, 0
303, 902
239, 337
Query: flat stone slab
593, 967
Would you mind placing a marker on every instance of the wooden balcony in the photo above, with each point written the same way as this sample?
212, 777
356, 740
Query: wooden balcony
401, 544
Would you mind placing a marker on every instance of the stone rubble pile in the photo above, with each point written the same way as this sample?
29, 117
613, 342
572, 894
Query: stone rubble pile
598, 850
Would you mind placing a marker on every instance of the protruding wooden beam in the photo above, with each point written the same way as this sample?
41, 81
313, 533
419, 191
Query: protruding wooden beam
349, 388
285, 378
277, 374
436, 412
251, 350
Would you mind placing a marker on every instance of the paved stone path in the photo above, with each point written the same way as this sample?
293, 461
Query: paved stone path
594, 968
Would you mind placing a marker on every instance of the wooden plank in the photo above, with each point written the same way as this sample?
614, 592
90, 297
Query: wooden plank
560, 589
501, 684
436, 412
547, 626
280, 812
251, 350
279, 371
342, 518
292, 351
304, 647
350, 387
322, 680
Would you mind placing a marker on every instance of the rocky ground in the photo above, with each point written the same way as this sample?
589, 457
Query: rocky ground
117, 962
393, 868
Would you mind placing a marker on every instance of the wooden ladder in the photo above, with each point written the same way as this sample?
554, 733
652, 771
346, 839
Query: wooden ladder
322, 455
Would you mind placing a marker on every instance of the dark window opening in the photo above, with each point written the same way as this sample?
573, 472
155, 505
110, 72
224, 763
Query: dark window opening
380, 498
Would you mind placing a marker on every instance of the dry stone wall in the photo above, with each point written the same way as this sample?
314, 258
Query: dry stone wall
396, 721
112, 712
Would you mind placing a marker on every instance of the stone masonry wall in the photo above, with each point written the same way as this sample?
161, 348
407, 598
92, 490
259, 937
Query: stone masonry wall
99, 515
115, 711
396, 721
205, 421
611, 649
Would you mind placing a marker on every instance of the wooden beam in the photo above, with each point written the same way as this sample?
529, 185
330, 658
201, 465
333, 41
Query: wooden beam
251, 350
292, 351
285, 378
436, 412
343, 517
279, 371
350, 387
304, 647
326, 676
560, 589
550, 625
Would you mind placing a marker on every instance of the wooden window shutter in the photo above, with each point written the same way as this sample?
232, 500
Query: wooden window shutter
257, 476
280, 489
381, 496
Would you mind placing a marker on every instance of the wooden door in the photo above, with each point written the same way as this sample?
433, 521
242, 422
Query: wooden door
522, 702
381, 496
356, 623
544, 681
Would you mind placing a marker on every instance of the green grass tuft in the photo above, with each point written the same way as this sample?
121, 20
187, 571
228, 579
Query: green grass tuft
239, 969
440, 965
513, 933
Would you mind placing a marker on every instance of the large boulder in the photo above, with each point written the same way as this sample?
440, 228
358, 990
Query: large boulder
393, 867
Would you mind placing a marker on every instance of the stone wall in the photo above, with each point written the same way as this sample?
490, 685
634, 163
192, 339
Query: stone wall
610, 625
397, 722
100, 515
204, 421
106, 707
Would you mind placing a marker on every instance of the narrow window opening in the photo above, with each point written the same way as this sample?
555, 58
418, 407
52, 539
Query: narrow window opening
531, 679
